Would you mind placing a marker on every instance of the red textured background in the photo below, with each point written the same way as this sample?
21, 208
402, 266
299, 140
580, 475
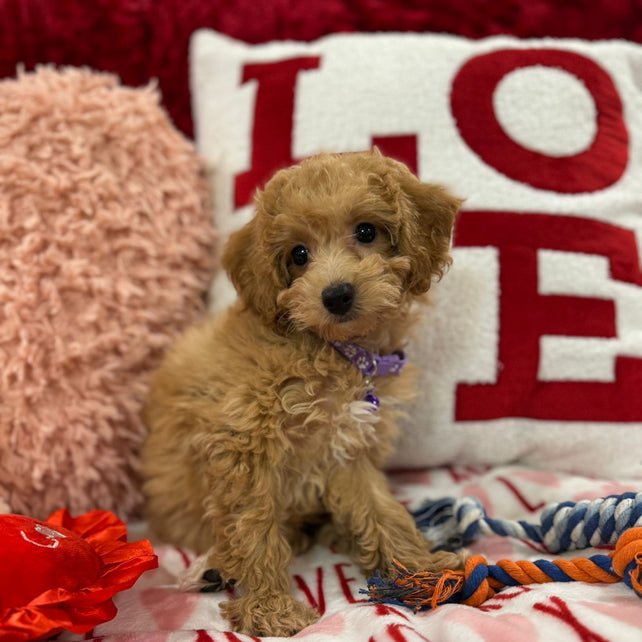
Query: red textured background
143, 39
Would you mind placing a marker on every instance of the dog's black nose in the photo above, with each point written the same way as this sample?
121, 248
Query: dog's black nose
338, 298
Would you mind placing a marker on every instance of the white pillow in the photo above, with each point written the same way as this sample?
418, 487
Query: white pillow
533, 347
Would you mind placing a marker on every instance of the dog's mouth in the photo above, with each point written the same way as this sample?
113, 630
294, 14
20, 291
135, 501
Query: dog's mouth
348, 326
342, 310
344, 330
344, 318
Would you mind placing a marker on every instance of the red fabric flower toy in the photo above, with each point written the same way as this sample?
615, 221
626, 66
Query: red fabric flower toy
62, 573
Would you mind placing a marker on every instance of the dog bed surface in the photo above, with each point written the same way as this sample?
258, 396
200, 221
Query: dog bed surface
154, 609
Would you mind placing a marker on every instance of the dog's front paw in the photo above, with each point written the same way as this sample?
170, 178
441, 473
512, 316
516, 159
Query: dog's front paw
275, 615
451, 560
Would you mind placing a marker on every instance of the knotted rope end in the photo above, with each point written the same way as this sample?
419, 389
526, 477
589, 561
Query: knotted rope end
418, 590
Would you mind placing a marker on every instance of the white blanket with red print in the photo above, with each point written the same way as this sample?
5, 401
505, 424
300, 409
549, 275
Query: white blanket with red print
154, 610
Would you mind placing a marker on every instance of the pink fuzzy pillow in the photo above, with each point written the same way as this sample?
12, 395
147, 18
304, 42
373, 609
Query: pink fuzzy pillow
105, 254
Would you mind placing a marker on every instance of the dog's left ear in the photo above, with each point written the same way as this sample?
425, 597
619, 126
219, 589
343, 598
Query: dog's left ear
426, 230
427, 215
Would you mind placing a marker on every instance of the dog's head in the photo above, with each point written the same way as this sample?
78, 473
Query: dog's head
340, 243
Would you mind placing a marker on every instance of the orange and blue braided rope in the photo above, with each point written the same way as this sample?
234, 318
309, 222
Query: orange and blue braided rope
479, 580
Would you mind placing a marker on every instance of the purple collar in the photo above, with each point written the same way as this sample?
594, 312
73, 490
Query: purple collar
370, 363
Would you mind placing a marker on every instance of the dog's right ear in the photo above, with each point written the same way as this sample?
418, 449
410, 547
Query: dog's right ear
235, 258
251, 270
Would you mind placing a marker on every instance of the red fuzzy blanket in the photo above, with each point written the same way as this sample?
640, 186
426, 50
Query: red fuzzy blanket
144, 39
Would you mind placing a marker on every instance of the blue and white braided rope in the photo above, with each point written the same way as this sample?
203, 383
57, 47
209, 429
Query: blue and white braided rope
565, 526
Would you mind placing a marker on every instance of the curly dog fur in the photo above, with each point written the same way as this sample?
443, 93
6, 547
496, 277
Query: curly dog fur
258, 427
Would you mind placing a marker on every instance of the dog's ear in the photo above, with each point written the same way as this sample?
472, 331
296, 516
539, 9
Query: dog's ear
426, 231
257, 279
427, 214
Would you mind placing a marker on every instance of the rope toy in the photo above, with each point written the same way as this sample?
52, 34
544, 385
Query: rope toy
566, 526
614, 520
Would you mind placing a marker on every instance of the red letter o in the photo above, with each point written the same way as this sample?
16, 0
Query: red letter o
597, 167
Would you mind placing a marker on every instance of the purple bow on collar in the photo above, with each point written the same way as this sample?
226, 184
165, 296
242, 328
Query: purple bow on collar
371, 364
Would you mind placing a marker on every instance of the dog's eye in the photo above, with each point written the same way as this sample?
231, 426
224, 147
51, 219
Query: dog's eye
365, 232
300, 255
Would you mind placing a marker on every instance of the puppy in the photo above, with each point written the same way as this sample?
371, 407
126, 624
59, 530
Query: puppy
278, 415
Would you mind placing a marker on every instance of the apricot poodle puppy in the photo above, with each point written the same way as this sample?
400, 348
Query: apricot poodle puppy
276, 417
